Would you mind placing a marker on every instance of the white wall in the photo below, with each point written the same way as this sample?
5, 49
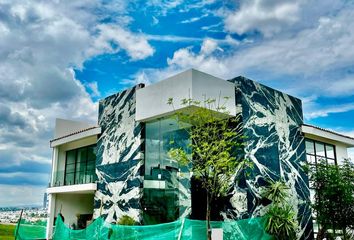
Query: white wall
72, 204
64, 127
151, 101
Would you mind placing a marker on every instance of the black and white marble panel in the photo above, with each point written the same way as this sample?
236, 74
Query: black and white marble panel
119, 158
271, 125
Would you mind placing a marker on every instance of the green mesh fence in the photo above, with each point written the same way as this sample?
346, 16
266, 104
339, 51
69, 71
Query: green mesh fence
27, 231
182, 229
97, 230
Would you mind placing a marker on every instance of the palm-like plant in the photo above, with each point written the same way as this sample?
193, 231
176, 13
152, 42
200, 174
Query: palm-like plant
281, 218
281, 222
276, 192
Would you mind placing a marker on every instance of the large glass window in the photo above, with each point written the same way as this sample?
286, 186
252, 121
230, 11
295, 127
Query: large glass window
316, 150
80, 165
160, 202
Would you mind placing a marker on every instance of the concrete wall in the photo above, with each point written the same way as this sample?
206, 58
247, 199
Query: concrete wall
151, 101
64, 127
73, 204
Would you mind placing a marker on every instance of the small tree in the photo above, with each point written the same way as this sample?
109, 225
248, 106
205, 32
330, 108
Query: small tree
334, 197
215, 141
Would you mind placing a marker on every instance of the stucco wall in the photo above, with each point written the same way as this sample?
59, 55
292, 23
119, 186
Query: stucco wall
72, 204
151, 101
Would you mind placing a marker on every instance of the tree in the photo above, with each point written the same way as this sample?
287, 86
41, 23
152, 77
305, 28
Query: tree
334, 197
216, 144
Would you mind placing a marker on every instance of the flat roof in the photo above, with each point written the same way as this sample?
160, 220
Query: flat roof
91, 131
328, 134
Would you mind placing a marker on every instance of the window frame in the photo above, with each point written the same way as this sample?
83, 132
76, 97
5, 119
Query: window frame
325, 151
75, 172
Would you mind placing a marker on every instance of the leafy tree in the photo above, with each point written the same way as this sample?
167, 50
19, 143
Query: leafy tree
334, 197
281, 217
216, 142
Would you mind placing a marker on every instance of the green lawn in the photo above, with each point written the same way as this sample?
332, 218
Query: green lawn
7, 232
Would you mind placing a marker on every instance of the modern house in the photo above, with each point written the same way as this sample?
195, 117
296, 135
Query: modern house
121, 167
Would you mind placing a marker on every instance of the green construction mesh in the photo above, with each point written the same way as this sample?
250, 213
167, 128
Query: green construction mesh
26, 230
97, 230
182, 229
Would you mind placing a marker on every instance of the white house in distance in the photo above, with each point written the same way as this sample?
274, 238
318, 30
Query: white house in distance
120, 165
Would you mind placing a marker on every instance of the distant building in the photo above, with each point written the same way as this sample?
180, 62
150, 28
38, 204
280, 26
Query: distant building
121, 167
45, 200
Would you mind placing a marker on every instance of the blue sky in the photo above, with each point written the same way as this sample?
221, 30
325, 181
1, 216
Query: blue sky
58, 58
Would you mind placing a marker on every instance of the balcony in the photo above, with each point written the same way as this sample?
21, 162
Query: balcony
61, 178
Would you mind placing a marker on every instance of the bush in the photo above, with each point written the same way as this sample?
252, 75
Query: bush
126, 220
281, 218
281, 222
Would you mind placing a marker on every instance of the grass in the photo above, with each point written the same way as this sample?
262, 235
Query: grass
7, 231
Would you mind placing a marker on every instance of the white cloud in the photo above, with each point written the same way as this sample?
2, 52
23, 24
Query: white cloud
163, 6
40, 44
136, 45
209, 46
316, 110
155, 21
309, 56
311, 63
195, 19
93, 86
269, 17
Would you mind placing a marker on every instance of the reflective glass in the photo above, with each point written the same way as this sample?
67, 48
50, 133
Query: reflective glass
160, 201
320, 151
310, 147
69, 178
80, 165
70, 157
82, 155
311, 159
330, 151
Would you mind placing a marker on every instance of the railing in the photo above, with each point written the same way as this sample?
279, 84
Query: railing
64, 179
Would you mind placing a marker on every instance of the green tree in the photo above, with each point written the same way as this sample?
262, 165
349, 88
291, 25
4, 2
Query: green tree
334, 197
216, 144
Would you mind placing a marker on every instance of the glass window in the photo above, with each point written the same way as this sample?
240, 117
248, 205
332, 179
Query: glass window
70, 157
320, 150
311, 159
69, 178
310, 149
160, 199
80, 165
330, 151
317, 151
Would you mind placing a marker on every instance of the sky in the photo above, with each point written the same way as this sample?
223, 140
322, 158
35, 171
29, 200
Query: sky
58, 58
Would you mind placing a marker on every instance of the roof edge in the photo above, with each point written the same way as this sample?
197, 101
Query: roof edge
347, 140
